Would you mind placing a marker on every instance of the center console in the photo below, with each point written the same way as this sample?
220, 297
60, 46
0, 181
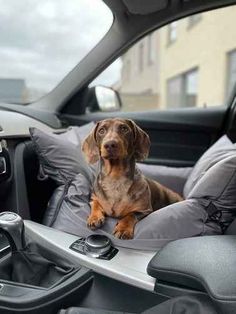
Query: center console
46, 270
128, 266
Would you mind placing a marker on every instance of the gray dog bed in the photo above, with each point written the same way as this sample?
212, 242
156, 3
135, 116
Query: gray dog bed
209, 190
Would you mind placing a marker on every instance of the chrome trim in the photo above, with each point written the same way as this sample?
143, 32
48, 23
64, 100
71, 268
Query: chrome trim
5, 248
4, 165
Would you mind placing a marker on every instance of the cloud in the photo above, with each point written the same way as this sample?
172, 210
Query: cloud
41, 41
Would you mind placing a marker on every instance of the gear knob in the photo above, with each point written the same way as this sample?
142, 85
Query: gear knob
12, 226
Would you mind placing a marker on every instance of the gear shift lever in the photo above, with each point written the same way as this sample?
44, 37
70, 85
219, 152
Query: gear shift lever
12, 226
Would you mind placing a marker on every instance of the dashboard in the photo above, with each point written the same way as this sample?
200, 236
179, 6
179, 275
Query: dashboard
14, 124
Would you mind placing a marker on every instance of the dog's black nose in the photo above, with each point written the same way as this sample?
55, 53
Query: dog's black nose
111, 145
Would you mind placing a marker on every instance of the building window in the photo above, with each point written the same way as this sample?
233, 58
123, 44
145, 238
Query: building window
141, 48
194, 19
172, 32
174, 92
190, 88
182, 90
231, 81
128, 70
151, 51
13, 90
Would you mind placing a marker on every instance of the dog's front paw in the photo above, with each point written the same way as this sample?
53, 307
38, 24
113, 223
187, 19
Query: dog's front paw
94, 222
123, 232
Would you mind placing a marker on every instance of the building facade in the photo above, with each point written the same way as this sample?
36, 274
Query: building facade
190, 62
139, 82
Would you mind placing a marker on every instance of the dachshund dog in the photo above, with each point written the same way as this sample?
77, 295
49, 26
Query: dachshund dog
120, 190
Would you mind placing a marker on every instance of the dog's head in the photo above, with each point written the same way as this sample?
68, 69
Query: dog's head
116, 139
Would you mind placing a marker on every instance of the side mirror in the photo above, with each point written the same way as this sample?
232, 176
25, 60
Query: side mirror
108, 100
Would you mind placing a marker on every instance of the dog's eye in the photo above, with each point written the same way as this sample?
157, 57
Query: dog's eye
124, 129
102, 131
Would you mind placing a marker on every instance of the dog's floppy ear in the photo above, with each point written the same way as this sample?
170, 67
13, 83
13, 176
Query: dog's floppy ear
90, 147
141, 142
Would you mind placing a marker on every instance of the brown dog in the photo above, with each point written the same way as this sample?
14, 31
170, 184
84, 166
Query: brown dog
120, 190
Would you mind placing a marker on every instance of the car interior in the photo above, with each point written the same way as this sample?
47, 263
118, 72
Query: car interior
46, 269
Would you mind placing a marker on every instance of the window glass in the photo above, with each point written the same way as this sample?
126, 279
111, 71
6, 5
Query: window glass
41, 41
198, 68
191, 82
172, 34
194, 19
231, 71
151, 50
182, 90
190, 89
141, 57
174, 92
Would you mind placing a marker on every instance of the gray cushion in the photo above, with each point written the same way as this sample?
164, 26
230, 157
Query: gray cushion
184, 219
221, 149
171, 177
218, 185
60, 155
84, 130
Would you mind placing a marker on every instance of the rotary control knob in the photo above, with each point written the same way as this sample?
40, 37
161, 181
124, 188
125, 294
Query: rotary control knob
97, 245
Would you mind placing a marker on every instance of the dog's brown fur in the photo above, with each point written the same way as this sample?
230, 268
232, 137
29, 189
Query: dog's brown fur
120, 190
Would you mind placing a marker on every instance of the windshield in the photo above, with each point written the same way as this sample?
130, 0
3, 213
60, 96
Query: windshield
41, 41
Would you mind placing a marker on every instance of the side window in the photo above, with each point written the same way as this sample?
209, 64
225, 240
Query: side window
188, 63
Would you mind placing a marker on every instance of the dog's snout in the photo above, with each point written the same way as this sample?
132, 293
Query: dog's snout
111, 145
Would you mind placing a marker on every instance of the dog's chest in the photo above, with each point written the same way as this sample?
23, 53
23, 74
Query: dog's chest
114, 193
115, 189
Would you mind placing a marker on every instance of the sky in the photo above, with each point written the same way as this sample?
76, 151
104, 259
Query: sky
41, 41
